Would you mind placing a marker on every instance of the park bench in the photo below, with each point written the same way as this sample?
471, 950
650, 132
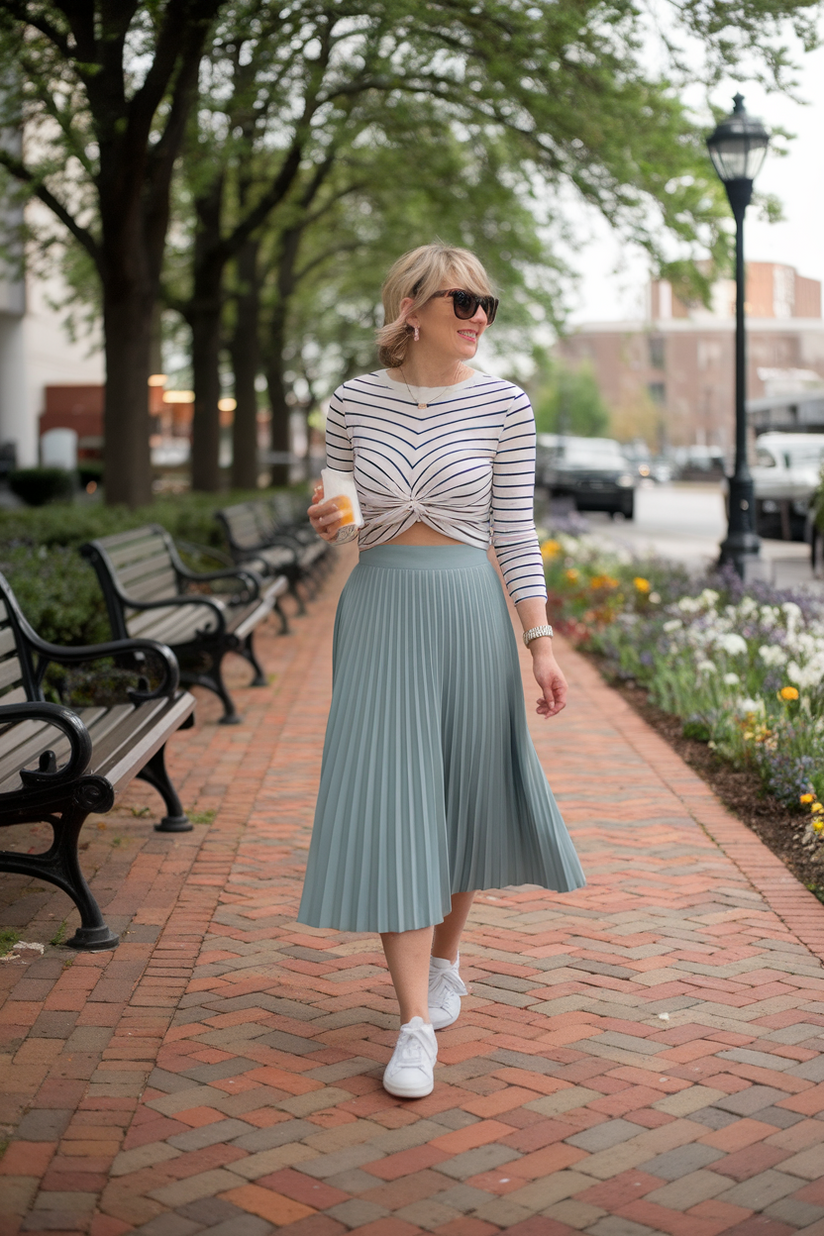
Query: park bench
59, 763
151, 593
260, 539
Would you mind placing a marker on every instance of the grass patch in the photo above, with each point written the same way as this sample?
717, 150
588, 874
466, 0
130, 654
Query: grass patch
201, 817
60, 934
8, 938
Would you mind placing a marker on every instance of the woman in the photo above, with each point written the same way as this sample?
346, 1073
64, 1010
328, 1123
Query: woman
431, 787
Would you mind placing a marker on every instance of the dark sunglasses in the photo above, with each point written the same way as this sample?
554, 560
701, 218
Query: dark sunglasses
465, 304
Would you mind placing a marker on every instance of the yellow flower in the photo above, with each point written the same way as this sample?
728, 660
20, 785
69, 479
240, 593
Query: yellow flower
571, 575
818, 826
807, 798
643, 585
789, 693
816, 808
550, 549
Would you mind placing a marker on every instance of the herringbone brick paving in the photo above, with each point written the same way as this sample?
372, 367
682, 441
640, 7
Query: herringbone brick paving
643, 1056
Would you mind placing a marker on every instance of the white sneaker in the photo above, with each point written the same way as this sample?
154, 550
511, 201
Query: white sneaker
445, 991
410, 1072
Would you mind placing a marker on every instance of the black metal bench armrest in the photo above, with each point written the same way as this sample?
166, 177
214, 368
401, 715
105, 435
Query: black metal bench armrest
166, 602
246, 576
281, 537
206, 551
62, 719
116, 647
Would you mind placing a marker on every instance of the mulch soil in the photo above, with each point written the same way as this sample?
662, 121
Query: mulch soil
740, 790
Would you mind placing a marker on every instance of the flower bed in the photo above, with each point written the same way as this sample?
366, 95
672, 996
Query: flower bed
742, 667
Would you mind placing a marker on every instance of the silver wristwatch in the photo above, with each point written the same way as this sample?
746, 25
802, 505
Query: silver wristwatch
535, 632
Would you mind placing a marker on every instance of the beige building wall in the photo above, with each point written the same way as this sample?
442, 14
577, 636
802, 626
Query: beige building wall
671, 377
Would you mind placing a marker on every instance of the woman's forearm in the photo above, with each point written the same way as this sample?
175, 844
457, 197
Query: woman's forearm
532, 612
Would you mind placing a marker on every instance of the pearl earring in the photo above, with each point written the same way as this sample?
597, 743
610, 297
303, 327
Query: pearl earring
417, 334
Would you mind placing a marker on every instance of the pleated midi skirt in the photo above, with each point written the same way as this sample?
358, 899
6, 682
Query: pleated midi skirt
430, 783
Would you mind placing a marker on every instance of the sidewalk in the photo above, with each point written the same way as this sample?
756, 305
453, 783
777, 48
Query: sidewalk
643, 1056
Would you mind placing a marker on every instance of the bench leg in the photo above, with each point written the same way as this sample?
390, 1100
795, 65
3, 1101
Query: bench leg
176, 821
293, 589
212, 680
247, 651
284, 621
60, 865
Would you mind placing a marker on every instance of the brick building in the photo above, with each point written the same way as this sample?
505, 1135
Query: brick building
671, 377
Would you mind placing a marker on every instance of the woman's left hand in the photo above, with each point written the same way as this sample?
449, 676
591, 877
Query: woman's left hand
551, 681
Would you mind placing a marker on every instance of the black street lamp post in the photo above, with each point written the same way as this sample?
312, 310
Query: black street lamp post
737, 149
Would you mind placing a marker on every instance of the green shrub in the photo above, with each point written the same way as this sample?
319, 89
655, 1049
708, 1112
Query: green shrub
37, 486
90, 470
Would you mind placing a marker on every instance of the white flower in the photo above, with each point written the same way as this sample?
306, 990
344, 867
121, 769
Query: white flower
710, 598
654, 598
674, 624
689, 605
731, 643
731, 679
706, 667
772, 654
809, 675
749, 705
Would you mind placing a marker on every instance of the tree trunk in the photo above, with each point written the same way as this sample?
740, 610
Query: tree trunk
127, 321
280, 436
246, 364
206, 340
204, 317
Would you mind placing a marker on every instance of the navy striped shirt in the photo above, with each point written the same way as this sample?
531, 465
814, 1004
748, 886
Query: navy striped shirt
464, 466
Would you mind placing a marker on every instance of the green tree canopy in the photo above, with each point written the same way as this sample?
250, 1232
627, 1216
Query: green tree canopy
105, 89
566, 399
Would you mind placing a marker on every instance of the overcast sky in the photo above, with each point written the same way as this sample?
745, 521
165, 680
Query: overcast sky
613, 282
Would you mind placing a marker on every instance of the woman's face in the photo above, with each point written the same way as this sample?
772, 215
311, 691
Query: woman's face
441, 332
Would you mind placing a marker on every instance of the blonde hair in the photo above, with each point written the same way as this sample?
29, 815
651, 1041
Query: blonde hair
418, 274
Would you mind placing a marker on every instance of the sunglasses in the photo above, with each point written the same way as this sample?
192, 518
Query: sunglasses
465, 304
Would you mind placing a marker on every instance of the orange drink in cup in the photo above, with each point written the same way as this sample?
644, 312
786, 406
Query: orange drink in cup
344, 505
339, 487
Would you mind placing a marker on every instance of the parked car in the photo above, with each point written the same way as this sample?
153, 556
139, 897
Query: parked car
699, 462
786, 474
593, 472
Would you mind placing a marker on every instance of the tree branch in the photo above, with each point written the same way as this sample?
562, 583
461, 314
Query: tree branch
39, 190
23, 14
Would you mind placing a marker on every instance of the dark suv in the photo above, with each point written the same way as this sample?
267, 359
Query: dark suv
593, 472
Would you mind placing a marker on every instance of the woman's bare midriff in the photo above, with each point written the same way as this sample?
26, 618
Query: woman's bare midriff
420, 534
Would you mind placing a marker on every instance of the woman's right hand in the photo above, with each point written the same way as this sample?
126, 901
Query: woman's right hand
324, 516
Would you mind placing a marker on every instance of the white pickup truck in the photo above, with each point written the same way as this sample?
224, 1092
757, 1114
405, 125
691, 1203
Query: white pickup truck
786, 473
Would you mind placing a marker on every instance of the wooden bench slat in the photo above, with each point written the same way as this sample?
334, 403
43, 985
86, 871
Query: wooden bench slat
171, 626
7, 641
11, 673
145, 568
144, 744
144, 547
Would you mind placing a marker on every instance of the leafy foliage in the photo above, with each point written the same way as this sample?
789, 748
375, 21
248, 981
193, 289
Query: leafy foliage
37, 486
742, 666
566, 399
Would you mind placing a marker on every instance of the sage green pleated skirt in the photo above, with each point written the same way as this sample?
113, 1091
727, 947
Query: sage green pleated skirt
430, 783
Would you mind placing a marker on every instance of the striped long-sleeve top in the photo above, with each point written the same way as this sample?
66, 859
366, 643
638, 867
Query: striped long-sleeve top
465, 466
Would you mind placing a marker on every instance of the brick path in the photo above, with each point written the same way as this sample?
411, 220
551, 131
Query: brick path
643, 1056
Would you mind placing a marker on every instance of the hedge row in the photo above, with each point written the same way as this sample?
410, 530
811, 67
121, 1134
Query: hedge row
57, 590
